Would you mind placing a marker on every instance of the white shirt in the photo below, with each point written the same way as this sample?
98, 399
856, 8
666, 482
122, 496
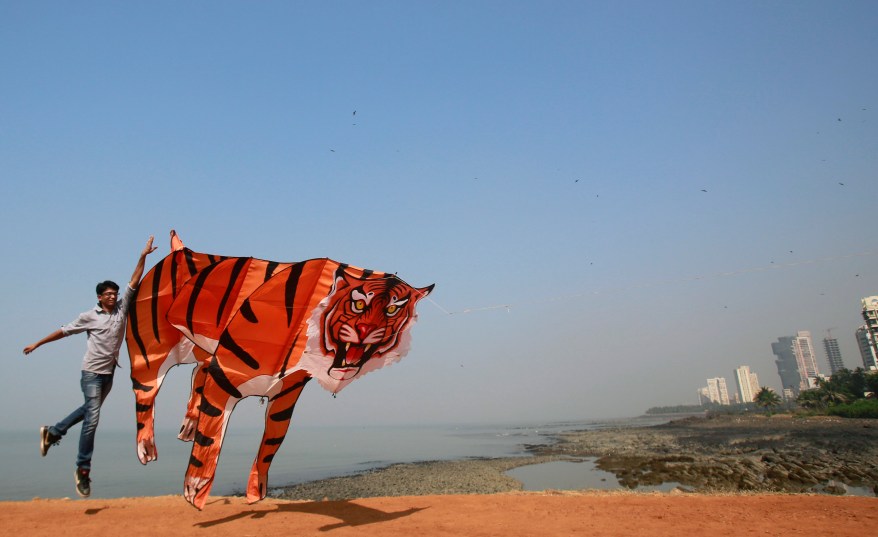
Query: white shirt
106, 332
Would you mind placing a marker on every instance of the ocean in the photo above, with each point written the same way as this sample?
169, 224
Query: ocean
308, 454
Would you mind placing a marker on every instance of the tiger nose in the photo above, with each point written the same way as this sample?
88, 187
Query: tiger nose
364, 330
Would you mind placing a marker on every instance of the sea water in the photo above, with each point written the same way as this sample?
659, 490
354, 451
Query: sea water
307, 454
575, 475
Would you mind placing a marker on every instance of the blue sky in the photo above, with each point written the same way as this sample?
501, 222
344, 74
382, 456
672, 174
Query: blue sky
652, 188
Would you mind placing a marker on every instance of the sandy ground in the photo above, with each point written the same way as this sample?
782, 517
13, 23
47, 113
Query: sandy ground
476, 498
592, 514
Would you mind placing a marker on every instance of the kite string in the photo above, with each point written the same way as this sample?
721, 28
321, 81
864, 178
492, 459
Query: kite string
772, 266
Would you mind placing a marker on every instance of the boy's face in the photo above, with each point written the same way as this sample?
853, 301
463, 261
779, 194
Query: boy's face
107, 299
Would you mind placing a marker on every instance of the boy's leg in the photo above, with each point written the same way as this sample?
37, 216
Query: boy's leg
61, 428
95, 388
51, 435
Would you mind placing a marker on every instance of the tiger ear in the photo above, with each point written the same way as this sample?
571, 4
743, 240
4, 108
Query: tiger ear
343, 280
424, 291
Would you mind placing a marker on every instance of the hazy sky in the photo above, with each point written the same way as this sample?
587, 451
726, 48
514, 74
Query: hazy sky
615, 200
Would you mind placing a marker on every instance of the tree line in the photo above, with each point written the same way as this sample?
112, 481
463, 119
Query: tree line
849, 394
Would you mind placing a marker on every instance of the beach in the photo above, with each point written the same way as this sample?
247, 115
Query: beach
776, 475
508, 514
730, 453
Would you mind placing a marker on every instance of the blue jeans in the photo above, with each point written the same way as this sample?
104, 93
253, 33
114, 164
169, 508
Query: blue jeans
95, 388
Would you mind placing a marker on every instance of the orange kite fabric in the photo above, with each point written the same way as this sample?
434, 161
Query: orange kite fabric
256, 328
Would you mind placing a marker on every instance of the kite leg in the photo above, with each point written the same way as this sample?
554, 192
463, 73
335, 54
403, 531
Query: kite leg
277, 421
199, 375
147, 379
214, 411
154, 345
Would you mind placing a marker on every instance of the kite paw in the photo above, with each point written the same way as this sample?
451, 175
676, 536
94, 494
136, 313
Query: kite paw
146, 450
195, 491
257, 487
187, 430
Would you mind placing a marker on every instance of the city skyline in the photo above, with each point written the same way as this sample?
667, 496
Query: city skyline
796, 361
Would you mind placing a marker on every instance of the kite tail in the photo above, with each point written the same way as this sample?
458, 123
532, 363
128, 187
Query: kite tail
176, 242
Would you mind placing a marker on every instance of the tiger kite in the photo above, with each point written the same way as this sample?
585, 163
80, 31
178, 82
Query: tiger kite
256, 328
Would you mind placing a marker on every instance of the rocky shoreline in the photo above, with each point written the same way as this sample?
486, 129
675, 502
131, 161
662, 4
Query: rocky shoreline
737, 453
749, 453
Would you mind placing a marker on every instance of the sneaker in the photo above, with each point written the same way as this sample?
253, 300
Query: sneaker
83, 482
47, 440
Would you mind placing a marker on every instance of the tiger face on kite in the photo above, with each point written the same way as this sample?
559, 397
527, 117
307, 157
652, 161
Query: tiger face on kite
262, 328
360, 321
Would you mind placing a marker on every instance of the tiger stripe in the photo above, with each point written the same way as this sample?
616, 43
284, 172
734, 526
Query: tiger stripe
236, 271
293, 276
219, 377
154, 310
193, 300
226, 341
247, 312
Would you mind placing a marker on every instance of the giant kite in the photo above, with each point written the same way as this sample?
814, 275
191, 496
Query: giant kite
256, 328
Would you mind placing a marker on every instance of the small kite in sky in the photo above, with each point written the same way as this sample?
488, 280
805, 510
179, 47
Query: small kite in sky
256, 328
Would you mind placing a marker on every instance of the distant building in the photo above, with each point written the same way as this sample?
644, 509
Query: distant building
717, 390
806, 358
867, 335
867, 348
812, 381
703, 396
748, 384
796, 361
787, 369
833, 353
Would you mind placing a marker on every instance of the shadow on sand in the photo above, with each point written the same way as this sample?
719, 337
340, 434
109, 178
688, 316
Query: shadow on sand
349, 513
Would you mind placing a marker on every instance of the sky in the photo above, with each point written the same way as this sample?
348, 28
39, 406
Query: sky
615, 200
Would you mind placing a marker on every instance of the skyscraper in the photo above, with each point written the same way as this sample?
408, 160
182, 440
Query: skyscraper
703, 396
787, 369
833, 353
867, 348
867, 335
748, 383
806, 359
796, 361
718, 391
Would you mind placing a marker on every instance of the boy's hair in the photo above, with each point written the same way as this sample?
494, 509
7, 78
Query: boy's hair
104, 285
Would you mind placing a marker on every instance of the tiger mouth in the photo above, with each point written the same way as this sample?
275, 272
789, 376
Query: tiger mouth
349, 359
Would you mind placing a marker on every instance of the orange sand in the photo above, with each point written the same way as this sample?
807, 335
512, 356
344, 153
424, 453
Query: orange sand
591, 514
